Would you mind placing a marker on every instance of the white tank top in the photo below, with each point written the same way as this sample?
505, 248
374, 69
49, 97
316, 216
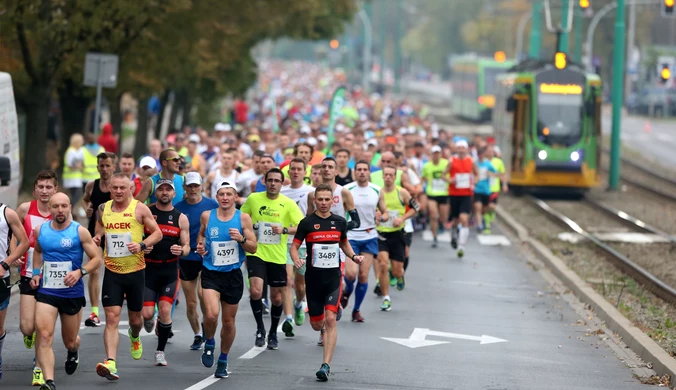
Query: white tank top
365, 201
338, 208
219, 178
298, 195
5, 235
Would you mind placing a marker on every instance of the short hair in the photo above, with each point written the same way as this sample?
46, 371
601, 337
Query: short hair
259, 153
323, 187
398, 155
299, 161
274, 170
390, 167
165, 153
298, 145
316, 166
368, 165
120, 175
46, 175
267, 155
127, 155
105, 156
343, 150
330, 159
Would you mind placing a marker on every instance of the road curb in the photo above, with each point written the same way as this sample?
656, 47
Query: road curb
632, 336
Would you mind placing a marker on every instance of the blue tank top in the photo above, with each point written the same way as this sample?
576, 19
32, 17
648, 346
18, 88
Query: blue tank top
483, 186
260, 187
220, 246
178, 184
194, 212
59, 246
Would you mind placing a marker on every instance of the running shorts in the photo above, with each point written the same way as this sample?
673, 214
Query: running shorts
274, 274
460, 205
323, 290
441, 200
483, 198
161, 284
189, 269
117, 286
25, 286
393, 243
230, 285
67, 306
365, 246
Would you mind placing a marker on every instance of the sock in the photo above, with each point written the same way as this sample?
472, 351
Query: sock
349, 287
95, 310
257, 309
223, 357
275, 315
405, 263
464, 236
289, 317
297, 304
2, 341
163, 331
211, 341
386, 297
360, 293
265, 292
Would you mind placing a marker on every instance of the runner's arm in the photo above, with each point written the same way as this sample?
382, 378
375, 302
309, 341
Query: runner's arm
201, 236
144, 194
148, 221
310, 203
251, 245
207, 184
99, 230
382, 206
22, 239
89, 248
185, 234
37, 260
408, 199
348, 204
86, 198
298, 239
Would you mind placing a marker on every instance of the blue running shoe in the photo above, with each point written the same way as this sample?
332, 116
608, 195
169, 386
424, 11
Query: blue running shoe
208, 355
221, 369
323, 373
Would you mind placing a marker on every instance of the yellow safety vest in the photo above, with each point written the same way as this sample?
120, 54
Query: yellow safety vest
70, 173
90, 164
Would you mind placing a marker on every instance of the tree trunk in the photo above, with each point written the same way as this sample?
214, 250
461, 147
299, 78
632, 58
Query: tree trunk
116, 120
174, 112
160, 117
37, 116
141, 144
186, 106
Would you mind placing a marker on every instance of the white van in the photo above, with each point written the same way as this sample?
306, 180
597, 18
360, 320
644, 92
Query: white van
10, 178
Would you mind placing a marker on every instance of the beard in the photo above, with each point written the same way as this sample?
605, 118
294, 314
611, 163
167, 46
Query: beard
164, 202
60, 219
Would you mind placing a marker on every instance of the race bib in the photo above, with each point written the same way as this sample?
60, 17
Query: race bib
116, 244
54, 274
439, 185
325, 256
266, 235
462, 180
225, 253
394, 214
494, 181
29, 262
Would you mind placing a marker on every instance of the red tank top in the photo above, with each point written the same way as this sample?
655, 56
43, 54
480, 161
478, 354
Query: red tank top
137, 186
31, 221
461, 171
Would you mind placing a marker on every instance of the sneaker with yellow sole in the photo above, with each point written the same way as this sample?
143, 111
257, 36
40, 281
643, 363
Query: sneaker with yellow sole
108, 370
136, 347
38, 379
29, 341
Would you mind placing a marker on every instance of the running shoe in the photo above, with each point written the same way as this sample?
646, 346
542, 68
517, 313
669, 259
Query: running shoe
321, 338
454, 243
135, 346
93, 321
29, 341
298, 315
208, 355
386, 306
356, 316
287, 328
72, 361
49, 385
377, 290
149, 324
323, 373
197, 343
38, 378
339, 315
272, 341
393, 280
108, 370
401, 283
434, 243
344, 300
260, 338
221, 369
266, 306
160, 359
461, 253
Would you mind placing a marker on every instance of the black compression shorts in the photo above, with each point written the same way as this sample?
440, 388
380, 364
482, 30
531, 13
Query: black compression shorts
273, 273
229, 284
161, 284
117, 286
323, 289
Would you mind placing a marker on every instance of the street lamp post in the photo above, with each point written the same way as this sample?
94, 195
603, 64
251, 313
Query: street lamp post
618, 90
367, 50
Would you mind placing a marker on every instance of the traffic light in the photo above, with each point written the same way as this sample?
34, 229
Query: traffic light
334, 44
584, 4
668, 8
560, 60
500, 56
665, 73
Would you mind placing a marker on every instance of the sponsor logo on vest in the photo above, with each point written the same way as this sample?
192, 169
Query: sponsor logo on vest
125, 215
317, 227
213, 232
118, 225
336, 199
66, 242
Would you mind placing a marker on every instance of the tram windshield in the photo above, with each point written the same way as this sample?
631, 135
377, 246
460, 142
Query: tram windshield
559, 114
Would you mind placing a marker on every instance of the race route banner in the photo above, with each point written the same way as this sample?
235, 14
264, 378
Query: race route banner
337, 103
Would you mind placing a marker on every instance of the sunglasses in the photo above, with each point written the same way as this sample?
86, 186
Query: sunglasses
175, 159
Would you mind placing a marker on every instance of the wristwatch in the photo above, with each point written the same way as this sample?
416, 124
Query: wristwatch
243, 240
83, 272
143, 245
285, 231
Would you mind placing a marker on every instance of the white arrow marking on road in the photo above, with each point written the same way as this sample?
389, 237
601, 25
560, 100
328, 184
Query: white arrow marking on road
417, 338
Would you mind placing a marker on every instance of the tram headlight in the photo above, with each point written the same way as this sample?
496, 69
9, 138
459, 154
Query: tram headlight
575, 156
542, 155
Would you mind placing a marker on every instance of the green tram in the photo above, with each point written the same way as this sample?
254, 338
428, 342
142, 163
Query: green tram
547, 122
473, 80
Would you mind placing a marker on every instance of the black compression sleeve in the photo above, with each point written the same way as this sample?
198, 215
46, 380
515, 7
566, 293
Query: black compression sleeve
354, 220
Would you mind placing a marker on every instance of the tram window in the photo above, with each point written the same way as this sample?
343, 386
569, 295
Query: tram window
562, 115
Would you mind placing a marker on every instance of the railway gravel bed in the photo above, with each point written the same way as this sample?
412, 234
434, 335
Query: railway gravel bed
650, 314
587, 216
634, 174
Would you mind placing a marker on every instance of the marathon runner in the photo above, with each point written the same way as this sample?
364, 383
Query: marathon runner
391, 240
497, 183
325, 234
33, 214
59, 248
414, 187
121, 223
161, 276
226, 171
266, 163
482, 190
225, 235
190, 265
305, 151
344, 175
171, 170
97, 192
315, 175
370, 205
437, 190
10, 225
274, 216
460, 174
298, 192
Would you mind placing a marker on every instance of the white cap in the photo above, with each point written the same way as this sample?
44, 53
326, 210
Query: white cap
322, 138
461, 144
305, 129
403, 130
496, 149
436, 149
373, 142
340, 127
226, 184
193, 178
194, 138
312, 141
148, 161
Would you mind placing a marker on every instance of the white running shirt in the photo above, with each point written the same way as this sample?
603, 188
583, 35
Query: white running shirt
298, 195
365, 201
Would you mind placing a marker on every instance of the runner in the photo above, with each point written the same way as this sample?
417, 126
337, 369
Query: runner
190, 265
316, 175
344, 175
370, 204
274, 216
10, 225
326, 235
161, 278
391, 240
296, 191
33, 214
59, 248
97, 192
437, 190
266, 163
122, 221
171, 170
225, 235
482, 190
226, 171
459, 173
497, 183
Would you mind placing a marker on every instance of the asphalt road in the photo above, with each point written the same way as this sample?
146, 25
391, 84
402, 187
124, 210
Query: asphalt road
654, 138
498, 326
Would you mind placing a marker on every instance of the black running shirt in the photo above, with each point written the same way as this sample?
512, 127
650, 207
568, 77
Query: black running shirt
322, 236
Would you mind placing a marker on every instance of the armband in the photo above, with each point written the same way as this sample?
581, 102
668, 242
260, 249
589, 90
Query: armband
414, 205
37, 271
354, 220
4, 265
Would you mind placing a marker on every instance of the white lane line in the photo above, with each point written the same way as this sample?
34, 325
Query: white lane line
204, 383
252, 353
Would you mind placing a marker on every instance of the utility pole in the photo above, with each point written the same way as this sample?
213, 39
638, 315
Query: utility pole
630, 49
618, 79
563, 42
535, 33
397, 47
577, 23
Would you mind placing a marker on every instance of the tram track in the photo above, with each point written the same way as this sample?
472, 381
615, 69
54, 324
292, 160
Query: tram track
637, 272
646, 179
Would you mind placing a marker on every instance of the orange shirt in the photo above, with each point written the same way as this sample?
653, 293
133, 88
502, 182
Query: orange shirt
317, 157
462, 172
